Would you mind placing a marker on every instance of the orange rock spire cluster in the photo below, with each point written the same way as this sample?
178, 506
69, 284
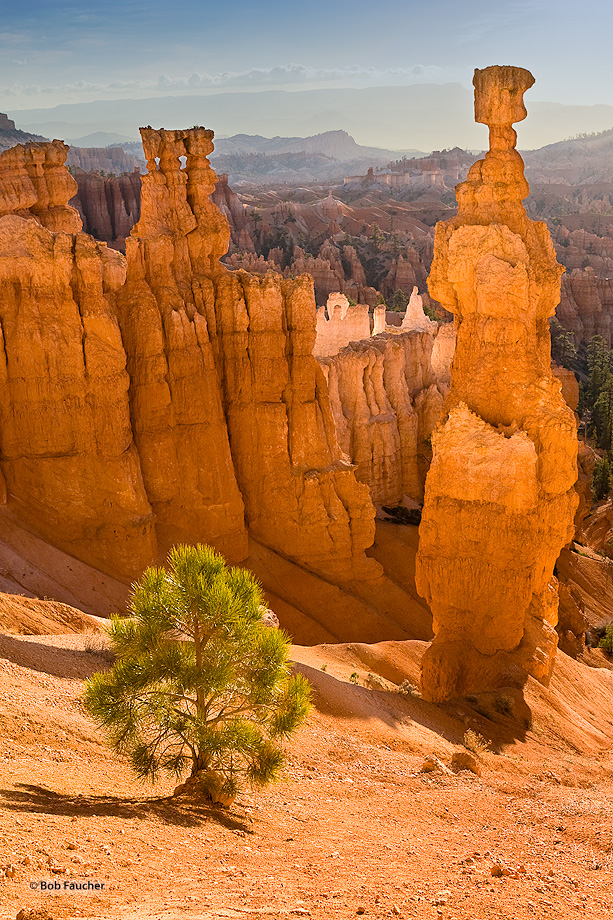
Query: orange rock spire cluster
499, 497
160, 397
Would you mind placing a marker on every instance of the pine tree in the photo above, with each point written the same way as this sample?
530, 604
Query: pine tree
399, 301
602, 414
199, 680
599, 366
602, 479
377, 237
563, 349
596, 398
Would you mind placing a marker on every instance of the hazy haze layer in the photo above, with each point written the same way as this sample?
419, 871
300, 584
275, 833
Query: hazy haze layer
433, 117
73, 52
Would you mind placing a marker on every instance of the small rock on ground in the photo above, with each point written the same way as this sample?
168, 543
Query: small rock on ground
464, 760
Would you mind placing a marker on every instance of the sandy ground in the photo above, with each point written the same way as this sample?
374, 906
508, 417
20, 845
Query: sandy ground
353, 828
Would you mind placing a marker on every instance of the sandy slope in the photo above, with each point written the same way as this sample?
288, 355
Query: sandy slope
24, 615
352, 826
32, 567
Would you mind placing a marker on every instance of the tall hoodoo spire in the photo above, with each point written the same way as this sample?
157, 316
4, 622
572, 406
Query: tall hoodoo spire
500, 496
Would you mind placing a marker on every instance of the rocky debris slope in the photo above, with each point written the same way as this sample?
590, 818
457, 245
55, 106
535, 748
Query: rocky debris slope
384, 839
492, 528
33, 617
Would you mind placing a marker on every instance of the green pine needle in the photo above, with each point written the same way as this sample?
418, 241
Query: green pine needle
199, 681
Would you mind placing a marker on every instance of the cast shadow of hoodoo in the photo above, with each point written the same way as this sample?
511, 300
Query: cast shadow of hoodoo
501, 718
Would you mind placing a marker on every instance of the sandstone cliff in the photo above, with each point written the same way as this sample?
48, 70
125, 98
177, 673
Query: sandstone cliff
257, 334
493, 526
71, 468
387, 395
161, 397
586, 305
233, 209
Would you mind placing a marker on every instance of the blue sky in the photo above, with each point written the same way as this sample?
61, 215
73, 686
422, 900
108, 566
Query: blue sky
73, 51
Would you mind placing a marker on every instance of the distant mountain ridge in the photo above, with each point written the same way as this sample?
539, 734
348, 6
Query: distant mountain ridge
424, 116
579, 160
337, 144
98, 139
247, 159
324, 157
330, 155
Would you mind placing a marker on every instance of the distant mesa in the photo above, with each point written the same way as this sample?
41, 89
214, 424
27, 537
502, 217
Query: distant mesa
442, 169
101, 139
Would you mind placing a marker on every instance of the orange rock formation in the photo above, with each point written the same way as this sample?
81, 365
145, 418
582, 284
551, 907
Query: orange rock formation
162, 397
499, 497
71, 468
387, 395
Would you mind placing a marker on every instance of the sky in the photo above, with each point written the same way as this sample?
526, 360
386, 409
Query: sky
64, 51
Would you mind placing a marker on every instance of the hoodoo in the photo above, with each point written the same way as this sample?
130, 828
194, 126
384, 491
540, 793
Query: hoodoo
499, 495
160, 397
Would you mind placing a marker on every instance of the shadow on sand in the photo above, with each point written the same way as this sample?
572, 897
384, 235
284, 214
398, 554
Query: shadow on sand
52, 659
450, 721
31, 799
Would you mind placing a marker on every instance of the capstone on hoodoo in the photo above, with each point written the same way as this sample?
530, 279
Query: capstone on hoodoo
499, 495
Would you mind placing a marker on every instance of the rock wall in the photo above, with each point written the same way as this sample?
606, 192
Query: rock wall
387, 395
586, 306
233, 209
493, 527
109, 206
586, 302
175, 402
66, 449
162, 397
